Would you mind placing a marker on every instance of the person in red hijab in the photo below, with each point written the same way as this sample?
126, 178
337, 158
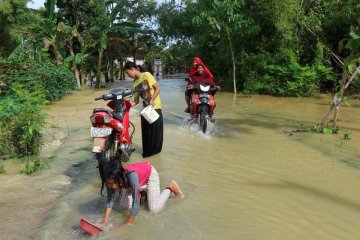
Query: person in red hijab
192, 73
197, 61
201, 76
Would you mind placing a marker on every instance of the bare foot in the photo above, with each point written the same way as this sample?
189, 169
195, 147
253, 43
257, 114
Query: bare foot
175, 189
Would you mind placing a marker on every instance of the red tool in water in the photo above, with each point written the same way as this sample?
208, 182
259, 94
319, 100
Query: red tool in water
89, 227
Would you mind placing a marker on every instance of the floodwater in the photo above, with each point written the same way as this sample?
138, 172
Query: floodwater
249, 178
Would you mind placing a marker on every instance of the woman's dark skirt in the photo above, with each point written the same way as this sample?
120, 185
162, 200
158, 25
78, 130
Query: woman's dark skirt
152, 135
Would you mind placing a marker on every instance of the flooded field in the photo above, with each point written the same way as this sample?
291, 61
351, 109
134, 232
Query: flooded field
249, 178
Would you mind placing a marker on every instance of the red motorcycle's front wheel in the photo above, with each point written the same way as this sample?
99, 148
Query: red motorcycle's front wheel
203, 111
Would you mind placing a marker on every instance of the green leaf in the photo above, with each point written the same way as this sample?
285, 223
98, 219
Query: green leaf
354, 33
78, 58
353, 44
69, 59
327, 131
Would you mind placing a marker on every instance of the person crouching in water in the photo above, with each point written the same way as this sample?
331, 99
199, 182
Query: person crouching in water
128, 181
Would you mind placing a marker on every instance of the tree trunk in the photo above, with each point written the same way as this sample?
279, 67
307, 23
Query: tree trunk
77, 76
98, 70
122, 73
111, 69
106, 76
83, 80
232, 58
75, 67
337, 100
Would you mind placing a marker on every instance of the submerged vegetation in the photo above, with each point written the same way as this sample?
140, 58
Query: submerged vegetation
32, 165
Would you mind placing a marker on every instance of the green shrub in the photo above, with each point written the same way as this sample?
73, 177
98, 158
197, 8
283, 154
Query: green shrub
32, 165
21, 121
25, 88
57, 80
283, 75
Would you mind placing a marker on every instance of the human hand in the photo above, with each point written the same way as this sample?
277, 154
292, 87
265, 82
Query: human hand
190, 86
152, 102
218, 87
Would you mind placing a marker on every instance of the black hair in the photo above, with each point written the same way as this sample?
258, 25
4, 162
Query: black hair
129, 65
112, 169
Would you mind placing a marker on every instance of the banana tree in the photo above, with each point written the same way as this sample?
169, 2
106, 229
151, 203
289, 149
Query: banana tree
49, 33
46, 39
116, 28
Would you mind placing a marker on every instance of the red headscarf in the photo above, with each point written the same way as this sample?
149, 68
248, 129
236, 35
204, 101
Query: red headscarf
193, 68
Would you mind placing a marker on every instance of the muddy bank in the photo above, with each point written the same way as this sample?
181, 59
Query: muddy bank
27, 199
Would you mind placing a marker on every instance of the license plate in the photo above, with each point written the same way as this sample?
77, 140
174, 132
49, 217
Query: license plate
100, 132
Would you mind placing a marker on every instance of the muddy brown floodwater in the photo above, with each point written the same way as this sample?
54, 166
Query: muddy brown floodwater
248, 178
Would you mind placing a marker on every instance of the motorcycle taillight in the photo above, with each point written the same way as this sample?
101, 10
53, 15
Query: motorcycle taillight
100, 118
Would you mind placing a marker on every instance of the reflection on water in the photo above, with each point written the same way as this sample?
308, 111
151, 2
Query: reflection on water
245, 179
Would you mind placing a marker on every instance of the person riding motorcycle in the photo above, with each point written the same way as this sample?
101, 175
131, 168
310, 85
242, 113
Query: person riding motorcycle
192, 73
199, 77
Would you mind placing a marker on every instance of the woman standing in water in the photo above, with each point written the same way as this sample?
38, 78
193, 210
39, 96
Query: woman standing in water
129, 180
149, 91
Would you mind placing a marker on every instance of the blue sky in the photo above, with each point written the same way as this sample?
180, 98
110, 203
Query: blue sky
36, 4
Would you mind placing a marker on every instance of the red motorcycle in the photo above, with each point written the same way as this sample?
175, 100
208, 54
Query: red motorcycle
110, 129
202, 103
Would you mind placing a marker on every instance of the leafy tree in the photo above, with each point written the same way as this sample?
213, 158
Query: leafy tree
225, 18
17, 23
95, 23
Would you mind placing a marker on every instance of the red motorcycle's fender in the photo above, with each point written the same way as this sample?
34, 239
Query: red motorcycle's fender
117, 125
125, 134
122, 128
195, 101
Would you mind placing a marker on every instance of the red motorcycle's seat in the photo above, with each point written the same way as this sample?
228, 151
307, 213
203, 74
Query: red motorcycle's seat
102, 110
